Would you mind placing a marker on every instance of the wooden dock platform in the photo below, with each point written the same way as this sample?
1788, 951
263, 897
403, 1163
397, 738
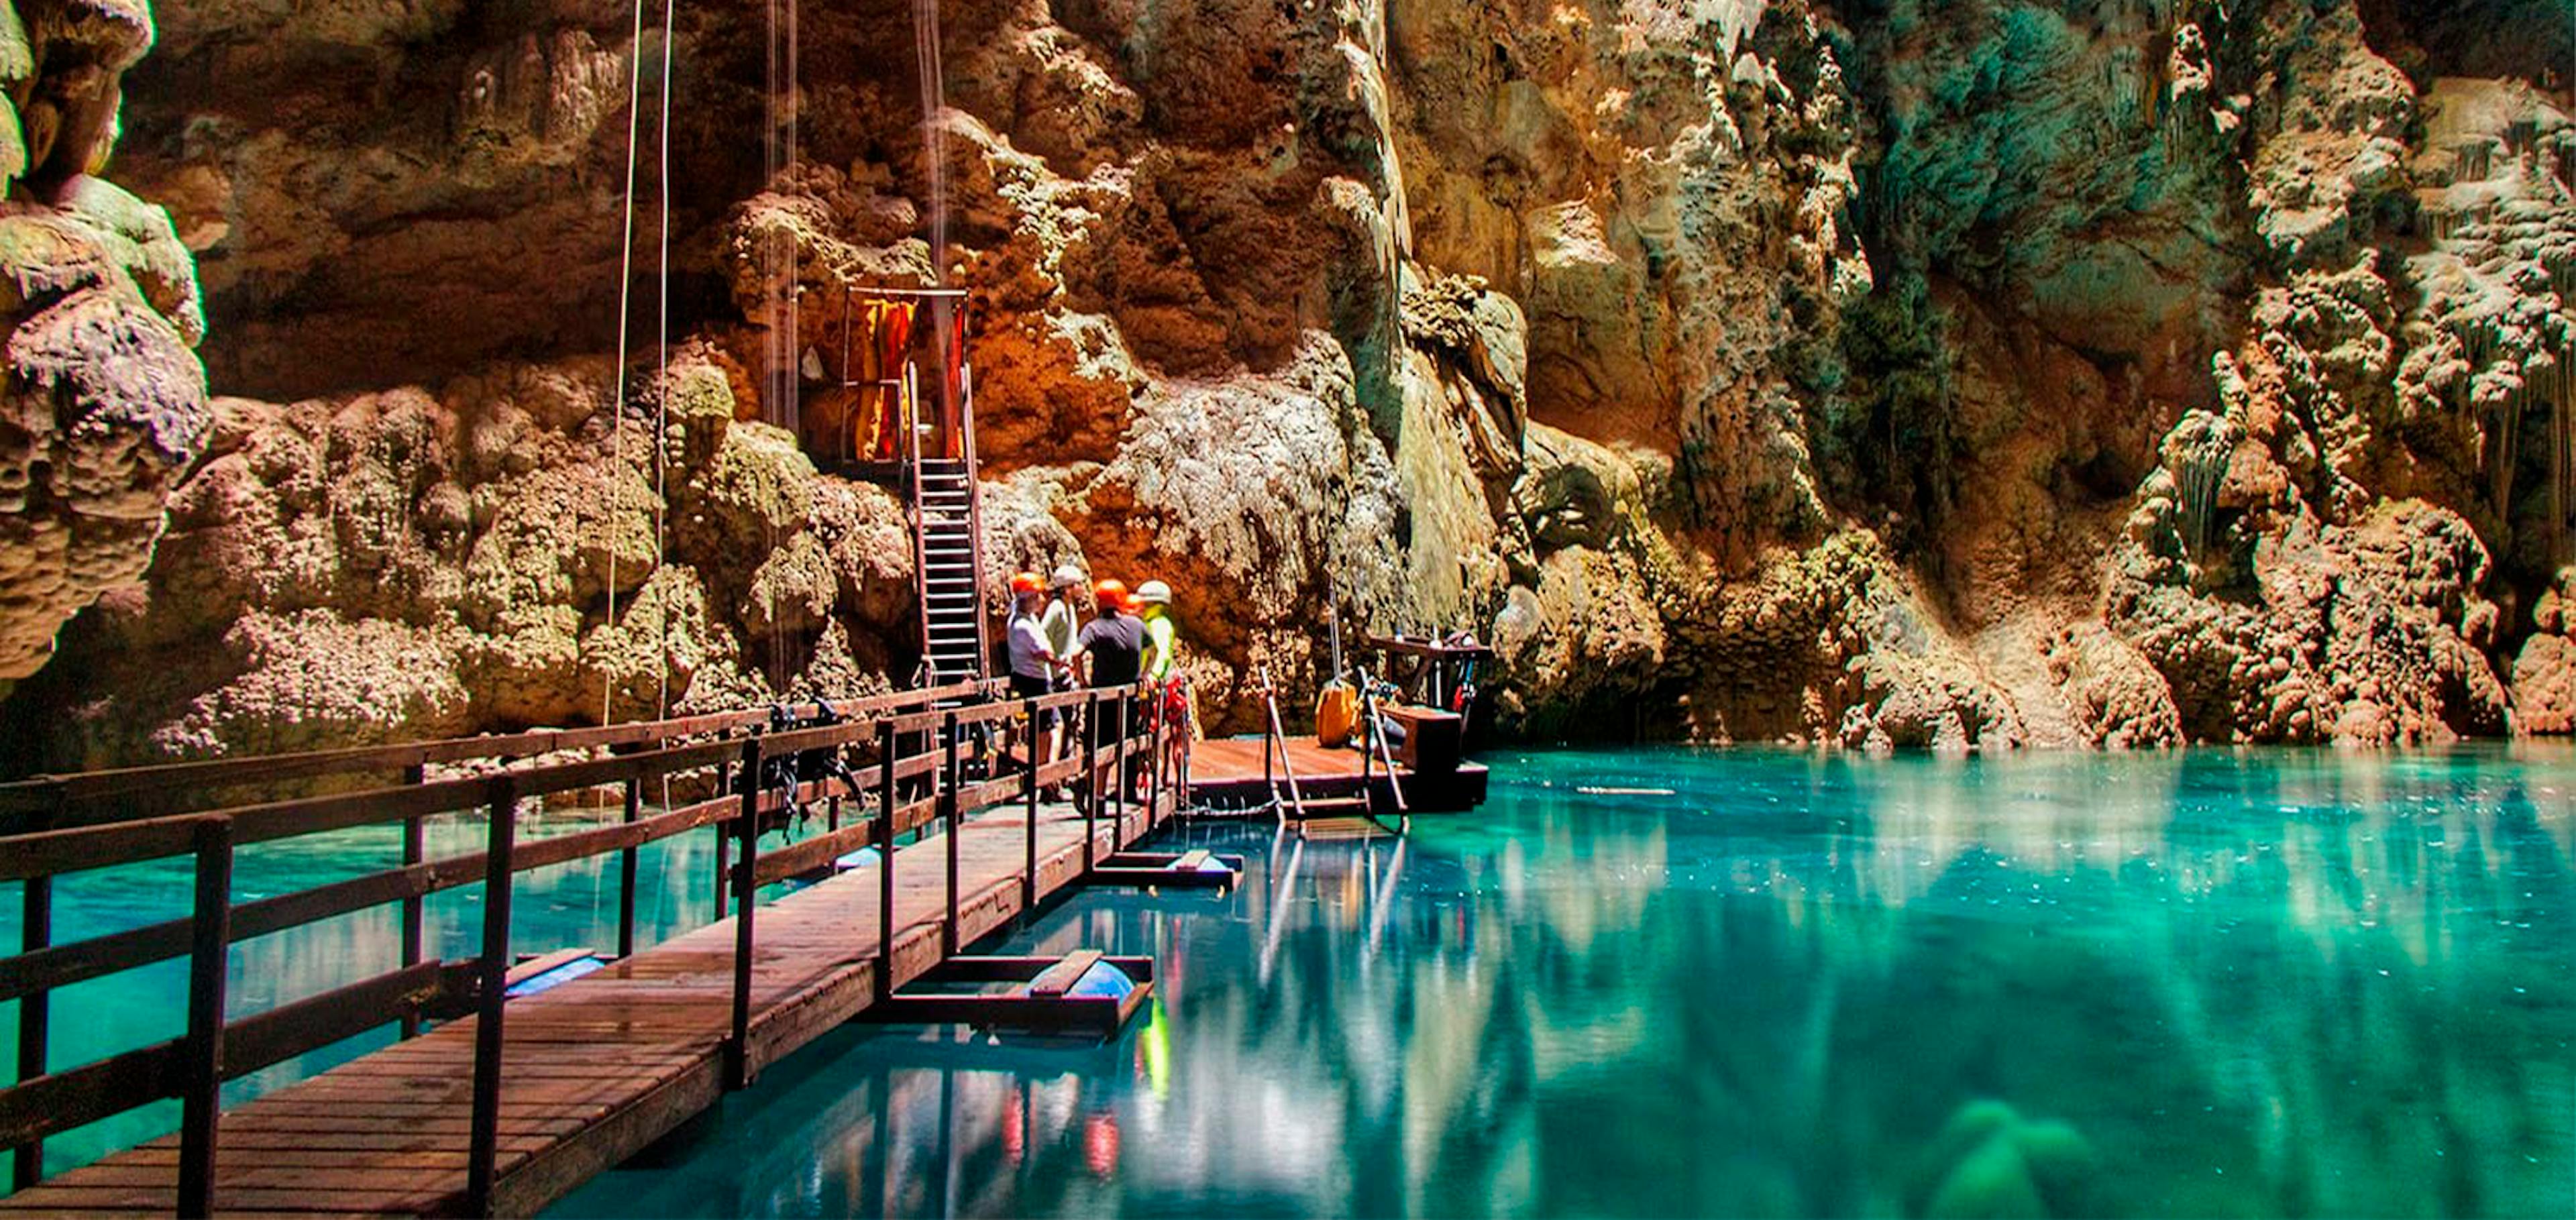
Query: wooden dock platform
505, 1105
1227, 773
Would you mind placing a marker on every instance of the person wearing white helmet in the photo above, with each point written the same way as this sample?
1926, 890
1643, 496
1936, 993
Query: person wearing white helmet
1171, 699
1063, 617
1162, 656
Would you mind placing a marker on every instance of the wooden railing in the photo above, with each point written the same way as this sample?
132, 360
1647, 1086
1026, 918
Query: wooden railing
81, 827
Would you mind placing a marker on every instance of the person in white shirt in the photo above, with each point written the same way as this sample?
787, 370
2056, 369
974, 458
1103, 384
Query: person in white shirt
1033, 663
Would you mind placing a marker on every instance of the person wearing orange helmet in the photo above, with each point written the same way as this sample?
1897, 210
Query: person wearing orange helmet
1033, 664
1113, 642
1111, 647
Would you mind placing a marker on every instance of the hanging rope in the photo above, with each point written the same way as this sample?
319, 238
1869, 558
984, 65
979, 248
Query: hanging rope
934, 93
625, 294
662, 400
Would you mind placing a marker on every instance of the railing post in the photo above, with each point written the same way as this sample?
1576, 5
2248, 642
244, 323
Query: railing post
35, 931
201, 1093
952, 816
414, 847
1092, 794
746, 892
1029, 867
886, 752
626, 874
483, 1148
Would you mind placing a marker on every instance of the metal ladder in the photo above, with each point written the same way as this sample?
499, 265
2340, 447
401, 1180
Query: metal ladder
950, 551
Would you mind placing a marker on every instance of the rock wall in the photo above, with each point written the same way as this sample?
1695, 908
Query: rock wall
103, 404
1971, 375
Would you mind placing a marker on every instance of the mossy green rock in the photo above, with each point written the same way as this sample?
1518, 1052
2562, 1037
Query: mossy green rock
1989, 1161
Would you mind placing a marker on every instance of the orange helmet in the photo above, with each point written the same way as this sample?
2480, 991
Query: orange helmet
1110, 592
1026, 583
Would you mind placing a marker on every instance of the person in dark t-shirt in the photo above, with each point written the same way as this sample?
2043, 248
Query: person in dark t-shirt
1113, 640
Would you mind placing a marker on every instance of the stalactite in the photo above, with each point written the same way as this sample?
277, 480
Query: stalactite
2519, 137
2439, 221
2500, 460
2124, 75
2472, 162
2199, 463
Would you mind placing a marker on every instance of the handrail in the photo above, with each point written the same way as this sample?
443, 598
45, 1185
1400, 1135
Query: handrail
1277, 735
974, 486
194, 1067
147, 790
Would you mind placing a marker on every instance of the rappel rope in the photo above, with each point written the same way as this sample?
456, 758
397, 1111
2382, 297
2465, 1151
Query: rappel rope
625, 296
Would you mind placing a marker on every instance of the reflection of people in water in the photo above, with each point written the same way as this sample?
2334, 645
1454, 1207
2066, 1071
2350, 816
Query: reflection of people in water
1100, 1143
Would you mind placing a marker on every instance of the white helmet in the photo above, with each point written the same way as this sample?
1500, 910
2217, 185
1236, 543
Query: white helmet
1154, 593
1068, 576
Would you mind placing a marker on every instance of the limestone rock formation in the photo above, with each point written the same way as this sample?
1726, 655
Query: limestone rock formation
1969, 376
104, 402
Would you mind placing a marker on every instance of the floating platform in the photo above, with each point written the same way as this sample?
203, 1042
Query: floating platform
1226, 775
1085, 992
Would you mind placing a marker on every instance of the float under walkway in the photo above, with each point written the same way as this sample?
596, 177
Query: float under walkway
598, 1067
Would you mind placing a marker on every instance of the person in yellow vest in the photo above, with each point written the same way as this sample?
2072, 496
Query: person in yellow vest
1162, 672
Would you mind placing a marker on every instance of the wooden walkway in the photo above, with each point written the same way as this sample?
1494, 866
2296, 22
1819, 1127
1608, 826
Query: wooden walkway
599, 1067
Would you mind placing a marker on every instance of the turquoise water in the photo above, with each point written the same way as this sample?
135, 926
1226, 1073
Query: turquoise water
2212, 983
2217, 983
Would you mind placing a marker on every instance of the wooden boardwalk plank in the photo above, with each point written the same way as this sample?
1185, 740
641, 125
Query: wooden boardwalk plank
599, 1066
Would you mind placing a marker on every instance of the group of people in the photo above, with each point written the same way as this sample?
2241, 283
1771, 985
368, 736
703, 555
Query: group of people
1130, 638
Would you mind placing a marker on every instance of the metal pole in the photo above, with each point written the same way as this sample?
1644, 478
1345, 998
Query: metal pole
885, 858
626, 875
35, 931
1029, 869
723, 842
493, 971
746, 892
948, 806
201, 1094
414, 912
1091, 779
1118, 821
1154, 718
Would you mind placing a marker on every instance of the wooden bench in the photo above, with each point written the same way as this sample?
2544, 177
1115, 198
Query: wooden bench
1434, 740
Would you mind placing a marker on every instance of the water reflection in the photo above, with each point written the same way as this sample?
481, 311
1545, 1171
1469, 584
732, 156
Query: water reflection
2208, 984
